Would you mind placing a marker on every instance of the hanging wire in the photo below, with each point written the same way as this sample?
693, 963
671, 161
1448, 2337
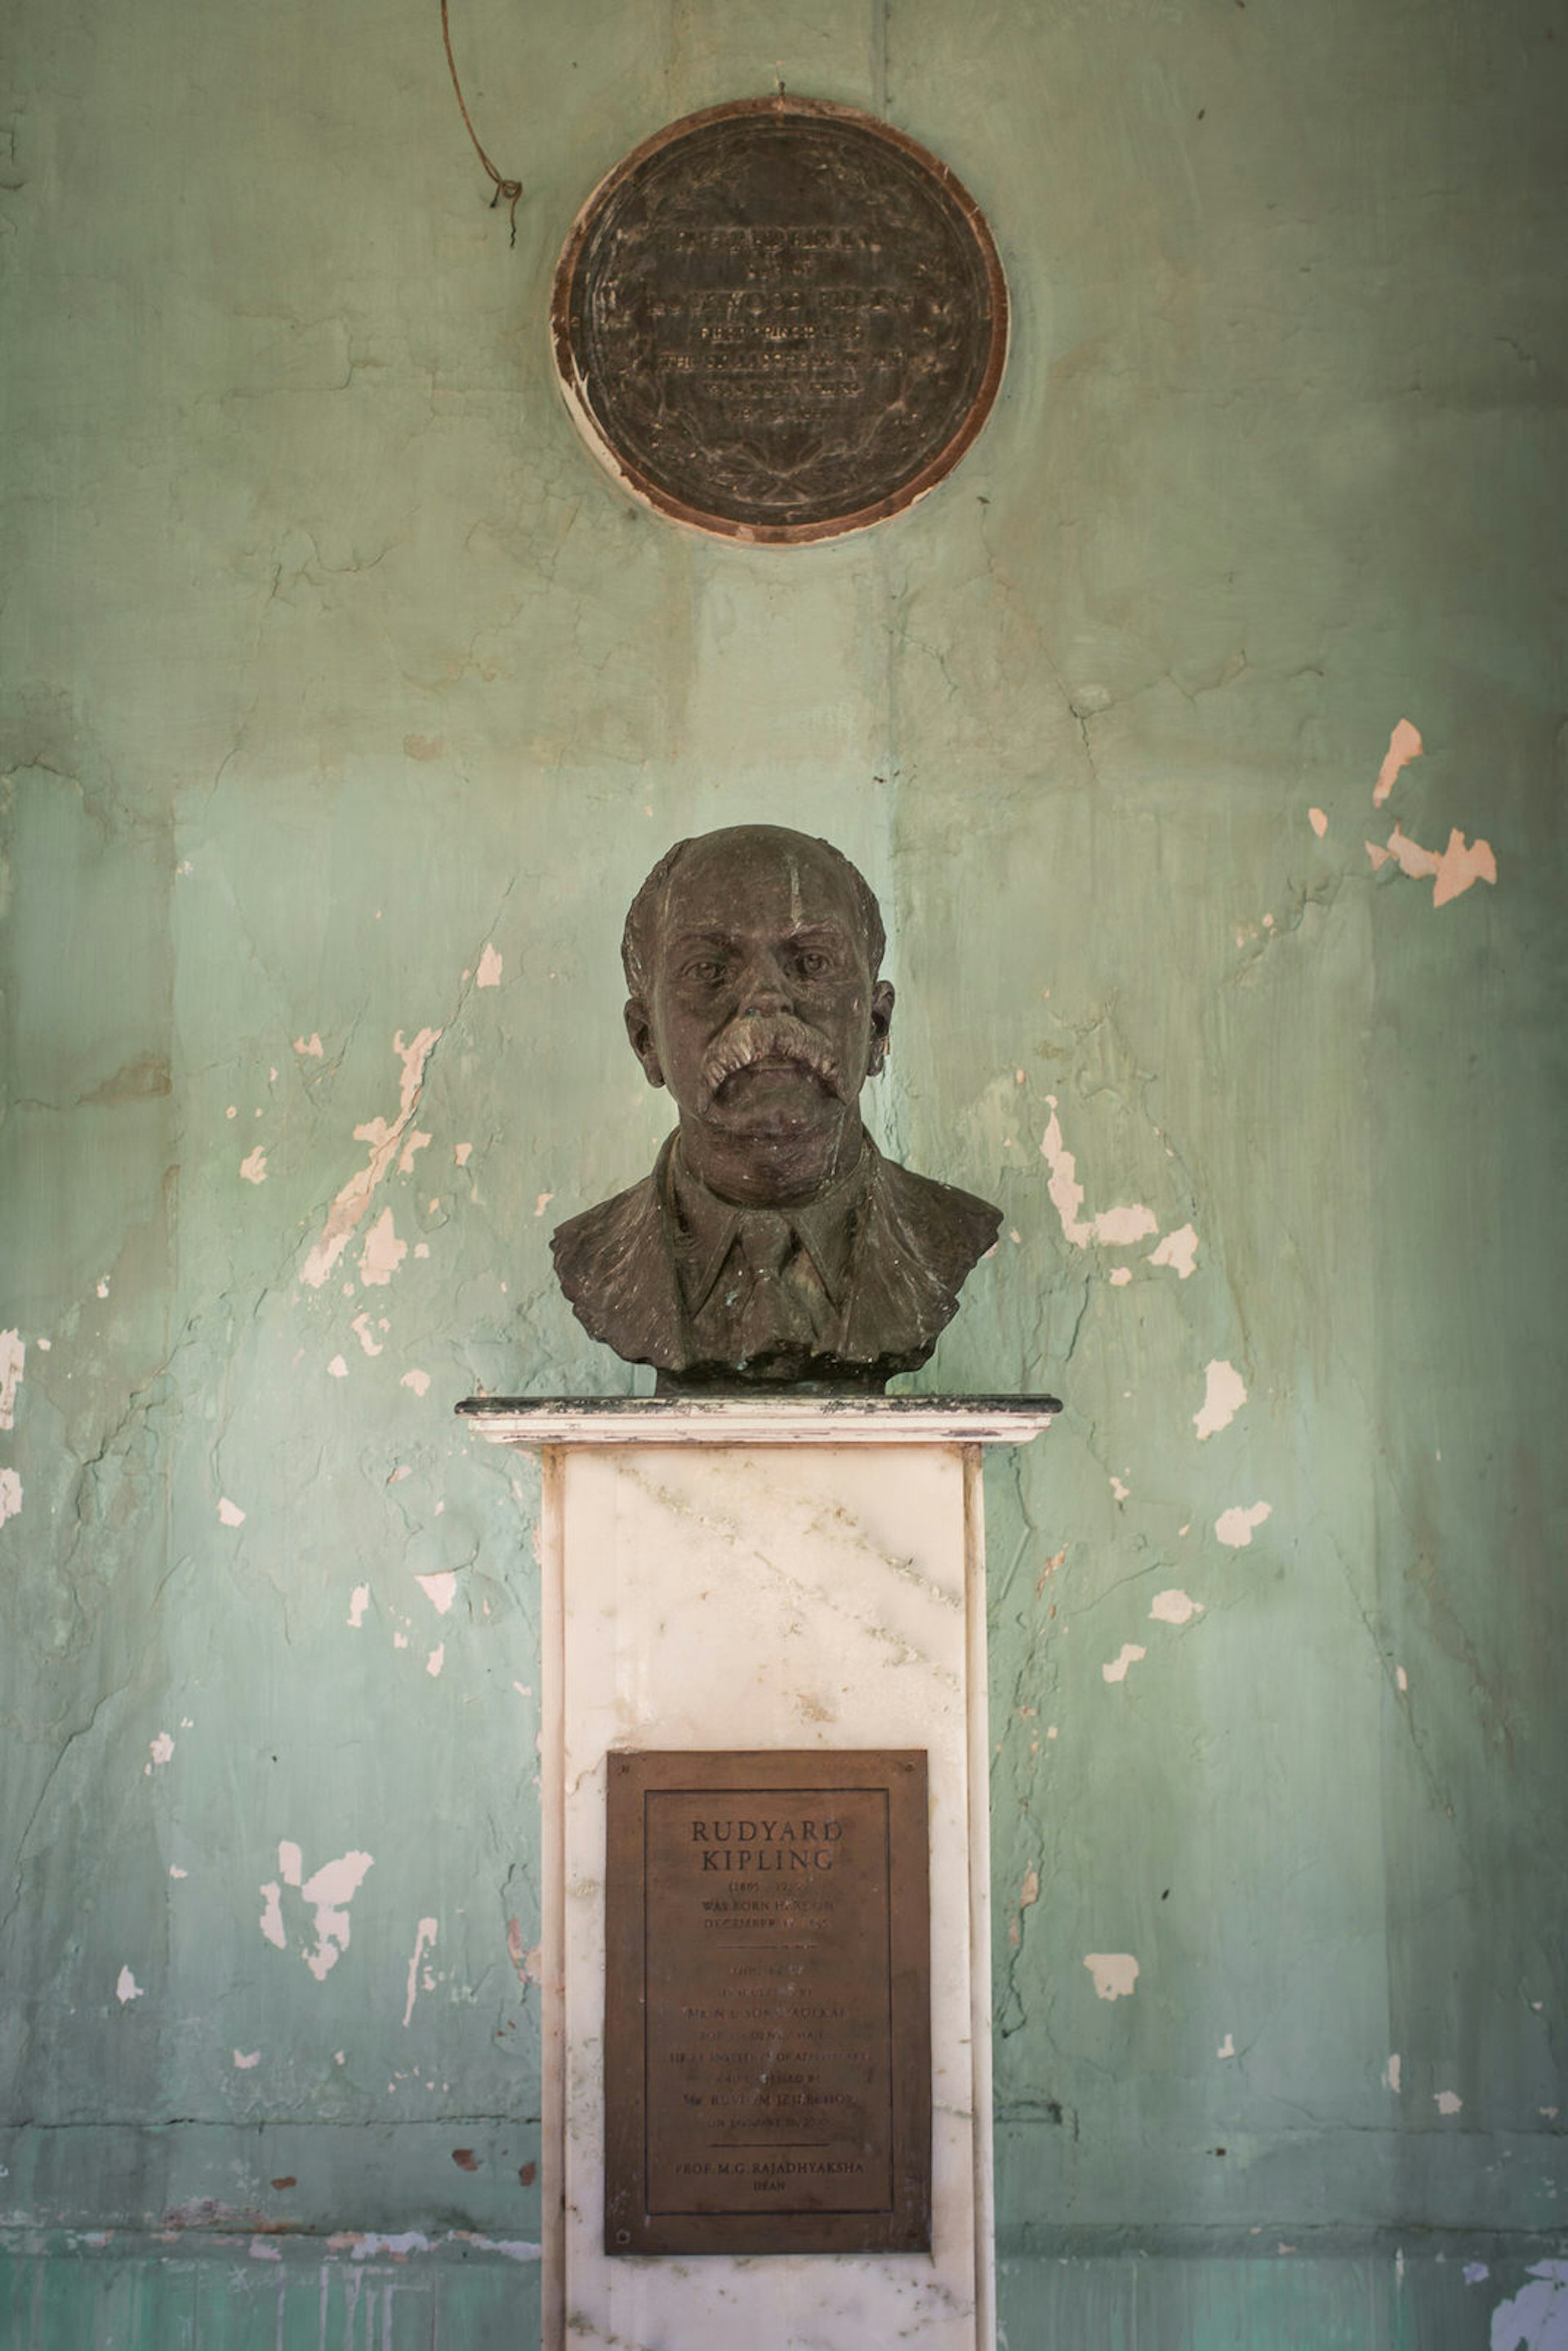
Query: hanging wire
511, 189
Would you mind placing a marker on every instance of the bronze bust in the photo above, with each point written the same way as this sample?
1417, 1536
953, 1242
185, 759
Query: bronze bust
772, 1244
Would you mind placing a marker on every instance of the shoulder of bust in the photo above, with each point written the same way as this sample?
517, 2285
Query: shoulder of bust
950, 1229
612, 1264
590, 1247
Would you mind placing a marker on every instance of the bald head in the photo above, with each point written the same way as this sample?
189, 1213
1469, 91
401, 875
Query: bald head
743, 851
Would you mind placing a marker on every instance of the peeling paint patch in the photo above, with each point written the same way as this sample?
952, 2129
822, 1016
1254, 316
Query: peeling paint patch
1121, 1491
382, 1252
440, 1589
253, 1166
1474, 2273
360, 1327
261, 2249
418, 1381
1447, 2102
230, 1512
1452, 871
1391, 2074
423, 1940
246, 2064
435, 1660
1121, 1275
349, 1206
1536, 2318
1120, 1227
1318, 818
311, 1045
1049, 1570
1066, 1192
1227, 2047
338, 1369
542, 1203
1223, 1396
368, 2246
1459, 866
1119, 1668
489, 972
1404, 745
161, 1750
1116, 1228
462, 1152
1235, 1526
1174, 1607
13, 1358
529, 1964
1028, 1895
358, 1601
1114, 1974
1178, 1250
10, 1495
1381, 855
329, 1892
127, 1987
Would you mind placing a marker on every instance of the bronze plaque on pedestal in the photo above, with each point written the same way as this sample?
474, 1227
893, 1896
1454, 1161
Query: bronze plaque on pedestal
780, 320
768, 2003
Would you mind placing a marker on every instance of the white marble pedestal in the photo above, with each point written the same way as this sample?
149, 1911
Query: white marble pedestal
798, 1574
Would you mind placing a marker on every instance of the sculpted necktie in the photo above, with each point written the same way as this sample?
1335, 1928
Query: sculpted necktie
770, 1317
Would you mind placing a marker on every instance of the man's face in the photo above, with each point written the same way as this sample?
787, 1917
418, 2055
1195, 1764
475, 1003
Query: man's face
763, 1016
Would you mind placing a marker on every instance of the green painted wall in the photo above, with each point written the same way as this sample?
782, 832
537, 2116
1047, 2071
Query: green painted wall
346, 703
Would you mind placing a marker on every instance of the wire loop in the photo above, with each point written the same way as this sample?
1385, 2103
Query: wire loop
512, 190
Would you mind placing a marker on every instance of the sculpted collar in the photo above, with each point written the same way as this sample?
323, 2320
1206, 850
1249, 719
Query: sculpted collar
706, 1228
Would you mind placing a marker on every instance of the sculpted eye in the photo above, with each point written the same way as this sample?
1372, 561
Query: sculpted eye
706, 969
813, 962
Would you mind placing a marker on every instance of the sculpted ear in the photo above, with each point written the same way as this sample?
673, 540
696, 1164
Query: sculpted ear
881, 1023
639, 1030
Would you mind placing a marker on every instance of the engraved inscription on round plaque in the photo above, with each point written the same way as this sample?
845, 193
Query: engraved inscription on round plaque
780, 321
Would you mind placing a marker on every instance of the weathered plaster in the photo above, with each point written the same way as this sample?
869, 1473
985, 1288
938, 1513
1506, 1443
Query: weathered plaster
347, 703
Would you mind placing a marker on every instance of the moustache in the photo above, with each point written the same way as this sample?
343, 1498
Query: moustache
777, 1037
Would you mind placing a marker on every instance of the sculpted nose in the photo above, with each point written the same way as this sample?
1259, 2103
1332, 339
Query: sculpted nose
763, 985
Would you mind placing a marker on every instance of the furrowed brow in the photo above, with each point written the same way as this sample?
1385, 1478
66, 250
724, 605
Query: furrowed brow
688, 939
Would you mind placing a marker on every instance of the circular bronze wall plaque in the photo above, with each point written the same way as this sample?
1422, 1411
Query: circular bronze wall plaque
779, 319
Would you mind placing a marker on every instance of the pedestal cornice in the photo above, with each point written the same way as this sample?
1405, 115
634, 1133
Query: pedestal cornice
537, 1422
